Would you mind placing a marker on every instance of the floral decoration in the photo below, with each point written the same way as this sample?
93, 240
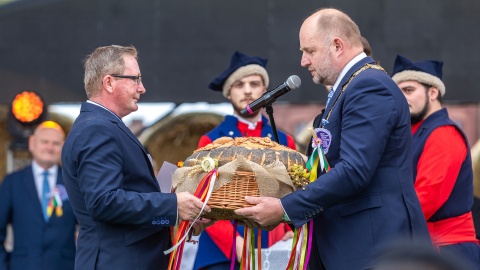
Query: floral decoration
299, 175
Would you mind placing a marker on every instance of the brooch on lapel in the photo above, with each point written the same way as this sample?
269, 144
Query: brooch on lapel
57, 197
322, 138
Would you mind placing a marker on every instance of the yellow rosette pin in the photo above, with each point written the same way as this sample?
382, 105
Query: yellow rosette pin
208, 164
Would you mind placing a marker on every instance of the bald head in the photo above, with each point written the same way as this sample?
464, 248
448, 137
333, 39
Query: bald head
46, 144
49, 125
332, 23
329, 39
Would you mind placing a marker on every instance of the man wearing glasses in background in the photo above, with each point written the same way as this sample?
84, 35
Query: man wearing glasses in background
124, 218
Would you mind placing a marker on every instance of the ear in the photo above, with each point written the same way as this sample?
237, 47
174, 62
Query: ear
108, 82
30, 143
433, 93
338, 44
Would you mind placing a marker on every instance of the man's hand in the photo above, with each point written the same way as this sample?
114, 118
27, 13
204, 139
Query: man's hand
287, 235
266, 213
200, 224
189, 206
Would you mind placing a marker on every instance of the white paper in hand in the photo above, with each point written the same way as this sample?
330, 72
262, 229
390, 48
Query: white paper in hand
164, 176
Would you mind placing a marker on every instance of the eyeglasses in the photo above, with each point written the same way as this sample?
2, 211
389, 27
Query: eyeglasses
137, 79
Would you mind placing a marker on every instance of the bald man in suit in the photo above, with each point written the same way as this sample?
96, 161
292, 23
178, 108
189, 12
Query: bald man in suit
367, 199
42, 240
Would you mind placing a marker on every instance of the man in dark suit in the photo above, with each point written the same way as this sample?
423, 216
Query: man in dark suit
43, 236
124, 218
367, 199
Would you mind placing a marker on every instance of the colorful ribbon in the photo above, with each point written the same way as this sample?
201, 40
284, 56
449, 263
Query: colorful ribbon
203, 192
303, 236
56, 203
312, 164
302, 239
234, 246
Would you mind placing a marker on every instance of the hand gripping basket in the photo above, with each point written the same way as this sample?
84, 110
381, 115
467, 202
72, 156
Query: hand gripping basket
247, 166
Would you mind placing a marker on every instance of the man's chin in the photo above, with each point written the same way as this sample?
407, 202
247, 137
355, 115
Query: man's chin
134, 106
242, 105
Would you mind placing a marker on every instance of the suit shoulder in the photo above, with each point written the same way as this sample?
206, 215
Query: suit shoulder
88, 123
17, 174
88, 119
373, 80
21, 171
375, 88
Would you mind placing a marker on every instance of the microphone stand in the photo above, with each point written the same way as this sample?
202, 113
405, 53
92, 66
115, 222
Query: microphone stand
269, 110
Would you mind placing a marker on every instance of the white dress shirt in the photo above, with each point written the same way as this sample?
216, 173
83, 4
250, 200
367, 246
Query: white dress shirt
38, 177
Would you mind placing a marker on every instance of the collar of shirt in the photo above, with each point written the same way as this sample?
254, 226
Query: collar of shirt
250, 125
38, 177
101, 106
350, 64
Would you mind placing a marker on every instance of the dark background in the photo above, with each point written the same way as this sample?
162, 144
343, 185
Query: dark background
183, 45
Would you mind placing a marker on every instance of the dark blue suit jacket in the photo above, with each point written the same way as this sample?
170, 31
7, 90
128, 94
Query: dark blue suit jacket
367, 200
37, 244
123, 216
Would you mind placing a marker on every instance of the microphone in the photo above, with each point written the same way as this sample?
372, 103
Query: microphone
293, 82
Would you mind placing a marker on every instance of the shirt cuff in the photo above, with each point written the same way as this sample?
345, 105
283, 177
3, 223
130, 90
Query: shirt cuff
285, 215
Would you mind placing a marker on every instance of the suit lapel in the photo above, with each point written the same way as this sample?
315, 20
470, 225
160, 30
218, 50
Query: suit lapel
59, 176
353, 69
129, 133
28, 180
345, 79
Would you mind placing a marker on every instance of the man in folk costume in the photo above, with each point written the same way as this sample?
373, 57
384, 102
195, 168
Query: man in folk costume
244, 81
442, 166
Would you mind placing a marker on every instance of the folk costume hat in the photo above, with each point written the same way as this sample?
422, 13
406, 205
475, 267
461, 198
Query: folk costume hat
428, 72
241, 65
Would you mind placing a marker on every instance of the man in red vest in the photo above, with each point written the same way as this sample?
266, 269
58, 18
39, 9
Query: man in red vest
244, 81
442, 167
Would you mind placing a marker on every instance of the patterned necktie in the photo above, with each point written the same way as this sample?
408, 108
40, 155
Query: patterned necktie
45, 195
330, 95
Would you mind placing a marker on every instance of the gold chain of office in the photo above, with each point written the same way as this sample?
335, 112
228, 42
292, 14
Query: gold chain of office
364, 67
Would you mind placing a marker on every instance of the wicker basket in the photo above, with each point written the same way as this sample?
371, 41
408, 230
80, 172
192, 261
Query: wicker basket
231, 196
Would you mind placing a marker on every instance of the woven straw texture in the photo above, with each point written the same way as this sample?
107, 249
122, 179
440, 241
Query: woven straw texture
231, 196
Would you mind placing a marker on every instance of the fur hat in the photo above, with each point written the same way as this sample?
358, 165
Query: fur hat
427, 72
241, 65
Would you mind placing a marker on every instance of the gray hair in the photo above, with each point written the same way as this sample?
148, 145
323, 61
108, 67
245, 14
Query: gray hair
103, 61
